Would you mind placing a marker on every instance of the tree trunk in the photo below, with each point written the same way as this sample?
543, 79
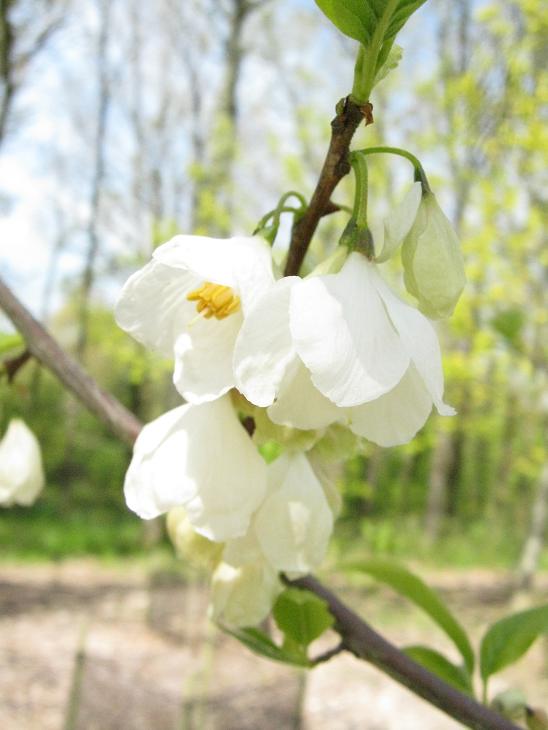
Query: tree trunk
98, 179
530, 555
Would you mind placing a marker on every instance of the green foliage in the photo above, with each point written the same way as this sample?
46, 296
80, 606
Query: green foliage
302, 617
414, 589
361, 19
9, 342
436, 663
507, 640
259, 643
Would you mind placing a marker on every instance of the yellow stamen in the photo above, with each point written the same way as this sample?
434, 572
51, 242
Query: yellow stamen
214, 300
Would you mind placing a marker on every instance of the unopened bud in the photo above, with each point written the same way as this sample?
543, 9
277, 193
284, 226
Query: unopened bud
432, 261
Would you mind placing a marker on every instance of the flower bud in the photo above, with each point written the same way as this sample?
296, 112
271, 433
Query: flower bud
190, 545
432, 261
21, 470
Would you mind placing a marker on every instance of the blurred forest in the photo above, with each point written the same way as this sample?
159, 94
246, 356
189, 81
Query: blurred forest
123, 123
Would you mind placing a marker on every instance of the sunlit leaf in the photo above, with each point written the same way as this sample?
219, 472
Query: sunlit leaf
507, 640
359, 19
413, 588
441, 666
302, 616
259, 643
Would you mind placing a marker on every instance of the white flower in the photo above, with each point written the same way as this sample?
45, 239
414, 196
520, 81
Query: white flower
289, 533
199, 457
388, 236
432, 260
243, 596
190, 302
294, 523
341, 347
21, 470
189, 544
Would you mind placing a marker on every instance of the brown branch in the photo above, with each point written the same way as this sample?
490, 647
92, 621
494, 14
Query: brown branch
365, 643
357, 637
45, 349
14, 364
335, 167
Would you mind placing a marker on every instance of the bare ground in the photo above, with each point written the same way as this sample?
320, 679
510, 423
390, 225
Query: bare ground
83, 647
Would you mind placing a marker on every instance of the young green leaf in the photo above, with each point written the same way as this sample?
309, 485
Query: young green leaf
9, 342
301, 616
413, 588
442, 667
360, 19
259, 643
507, 640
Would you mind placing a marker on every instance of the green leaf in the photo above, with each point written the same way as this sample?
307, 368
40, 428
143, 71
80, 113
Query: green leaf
261, 644
507, 640
360, 19
9, 342
392, 61
442, 667
302, 616
413, 588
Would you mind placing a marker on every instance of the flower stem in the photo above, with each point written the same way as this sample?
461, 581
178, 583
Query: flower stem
420, 175
359, 166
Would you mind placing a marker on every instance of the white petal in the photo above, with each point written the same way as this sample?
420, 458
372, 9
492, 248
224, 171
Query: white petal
264, 347
395, 417
200, 457
398, 224
203, 358
152, 306
344, 336
300, 404
21, 470
420, 340
243, 596
243, 263
294, 523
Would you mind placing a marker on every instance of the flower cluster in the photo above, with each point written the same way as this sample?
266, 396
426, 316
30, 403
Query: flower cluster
317, 362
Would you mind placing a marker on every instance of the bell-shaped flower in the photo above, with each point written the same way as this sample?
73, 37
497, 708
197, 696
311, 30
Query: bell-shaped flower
21, 470
189, 544
199, 457
243, 595
432, 260
341, 347
390, 233
189, 302
289, 533
294, 523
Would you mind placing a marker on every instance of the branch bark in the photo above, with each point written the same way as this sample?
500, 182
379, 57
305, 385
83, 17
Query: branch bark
365, 643
45, 349
335, 167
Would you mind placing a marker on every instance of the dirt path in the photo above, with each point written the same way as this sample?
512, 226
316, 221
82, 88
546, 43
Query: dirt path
86, 648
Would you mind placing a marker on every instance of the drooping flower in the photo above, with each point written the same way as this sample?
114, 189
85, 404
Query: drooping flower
21, 470
289, 532
199, 457
243, 595
432, 260
189, 302
341, 347
189, 544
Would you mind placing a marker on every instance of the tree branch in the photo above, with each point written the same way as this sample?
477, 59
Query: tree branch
45, 349
335, 167
357, 637
365, 643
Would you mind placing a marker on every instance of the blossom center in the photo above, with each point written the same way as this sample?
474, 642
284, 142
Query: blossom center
214, 300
